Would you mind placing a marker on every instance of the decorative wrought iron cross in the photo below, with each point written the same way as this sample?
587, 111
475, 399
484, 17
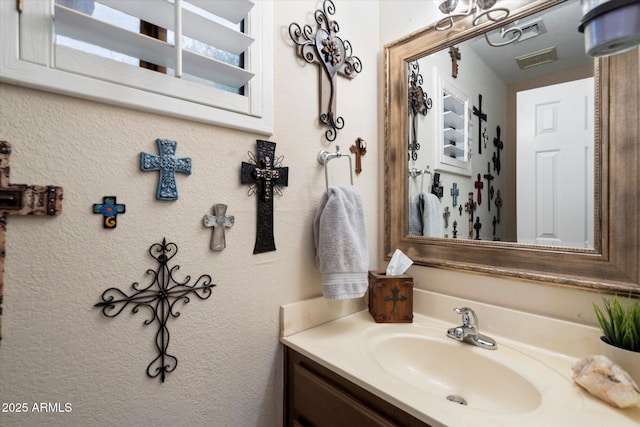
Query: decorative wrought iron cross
499, 146
160, 297
218, 221
454, 193
109, 210
470, 207
334, 56
21, 199
489, 178
168, 164
482, 117
395, 298
265, 175
479, 185
419, 104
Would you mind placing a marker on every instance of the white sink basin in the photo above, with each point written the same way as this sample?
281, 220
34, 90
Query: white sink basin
423, 357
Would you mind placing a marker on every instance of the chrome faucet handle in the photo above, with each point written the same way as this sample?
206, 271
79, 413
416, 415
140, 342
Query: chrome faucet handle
469, 317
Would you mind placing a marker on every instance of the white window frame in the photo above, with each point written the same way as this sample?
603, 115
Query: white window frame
27, 59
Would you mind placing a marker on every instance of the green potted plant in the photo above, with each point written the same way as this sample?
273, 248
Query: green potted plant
620, 324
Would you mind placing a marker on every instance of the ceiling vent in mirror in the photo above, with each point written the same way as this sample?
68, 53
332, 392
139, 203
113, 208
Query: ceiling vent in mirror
531, 29
517, 32
539, 57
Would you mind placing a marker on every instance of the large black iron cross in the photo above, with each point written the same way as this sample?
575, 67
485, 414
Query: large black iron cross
265, 175
482, 117
159, 297
21, 199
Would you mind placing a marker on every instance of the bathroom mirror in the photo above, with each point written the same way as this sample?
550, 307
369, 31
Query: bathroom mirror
611, 262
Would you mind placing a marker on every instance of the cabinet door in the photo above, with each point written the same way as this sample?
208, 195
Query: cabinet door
318, 397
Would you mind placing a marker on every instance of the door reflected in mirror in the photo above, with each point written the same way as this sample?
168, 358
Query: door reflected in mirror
509, 137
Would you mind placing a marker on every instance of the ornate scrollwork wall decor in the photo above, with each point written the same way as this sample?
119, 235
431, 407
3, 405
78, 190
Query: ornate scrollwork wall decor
160, 297
419, 103
334, 56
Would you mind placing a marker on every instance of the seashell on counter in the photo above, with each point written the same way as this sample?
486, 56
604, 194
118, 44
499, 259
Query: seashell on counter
607, 381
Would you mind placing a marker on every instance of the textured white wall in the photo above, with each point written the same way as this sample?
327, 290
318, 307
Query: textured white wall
57, 347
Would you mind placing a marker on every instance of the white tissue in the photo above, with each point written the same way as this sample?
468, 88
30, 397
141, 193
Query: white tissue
399, 263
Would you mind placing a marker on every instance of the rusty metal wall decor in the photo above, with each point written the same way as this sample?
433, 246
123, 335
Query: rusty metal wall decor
160, 298
167, 164
265, 176
454, 53
359, 148
21, 199
419, 104
109, 210
334, 56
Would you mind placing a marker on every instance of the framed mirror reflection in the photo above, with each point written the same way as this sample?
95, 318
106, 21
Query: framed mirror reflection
520, 166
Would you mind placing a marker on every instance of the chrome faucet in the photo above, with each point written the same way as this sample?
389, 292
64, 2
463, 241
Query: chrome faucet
468, 331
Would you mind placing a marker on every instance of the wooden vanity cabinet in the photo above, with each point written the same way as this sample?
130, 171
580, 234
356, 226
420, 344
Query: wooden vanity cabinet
316, 396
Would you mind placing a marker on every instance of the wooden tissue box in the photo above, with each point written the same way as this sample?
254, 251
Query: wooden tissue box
390, 298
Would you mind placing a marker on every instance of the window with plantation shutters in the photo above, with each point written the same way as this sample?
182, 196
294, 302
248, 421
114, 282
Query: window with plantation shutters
206, 60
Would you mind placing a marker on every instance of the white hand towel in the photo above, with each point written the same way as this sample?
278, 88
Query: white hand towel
432, 220
340, 238
415, 217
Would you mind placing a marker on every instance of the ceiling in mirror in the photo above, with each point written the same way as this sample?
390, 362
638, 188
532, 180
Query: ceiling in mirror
611, 262
547, 29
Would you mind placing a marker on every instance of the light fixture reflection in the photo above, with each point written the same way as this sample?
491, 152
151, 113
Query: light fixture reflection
482, 8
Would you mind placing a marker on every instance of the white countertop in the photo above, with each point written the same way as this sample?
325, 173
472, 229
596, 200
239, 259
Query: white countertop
552, 344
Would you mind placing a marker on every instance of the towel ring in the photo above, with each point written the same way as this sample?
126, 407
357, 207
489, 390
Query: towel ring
324, 157
413, 173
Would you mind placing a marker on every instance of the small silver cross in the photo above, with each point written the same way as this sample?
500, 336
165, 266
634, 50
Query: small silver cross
218, 221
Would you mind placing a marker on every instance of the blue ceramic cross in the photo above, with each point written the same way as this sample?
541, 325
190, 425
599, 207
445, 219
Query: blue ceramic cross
109, 209
168, 164
454, 194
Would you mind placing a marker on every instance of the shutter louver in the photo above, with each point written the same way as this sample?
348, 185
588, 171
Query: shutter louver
202, 28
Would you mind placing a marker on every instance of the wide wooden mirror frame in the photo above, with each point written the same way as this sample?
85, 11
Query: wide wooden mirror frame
612, 266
